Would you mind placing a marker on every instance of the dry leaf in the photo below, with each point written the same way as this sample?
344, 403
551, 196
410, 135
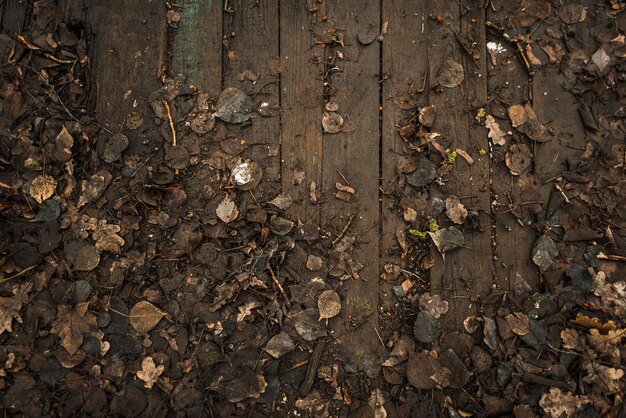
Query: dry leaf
525, 120
455, 210
42, 187
71, 325
150, 372
427, 115
496, 134
329, 304
332, 122
227, 210
144, 316
106, 237
377, 402
571, 339
517, 114
10, 307
468, 158
63, 144
518, 322
556, 403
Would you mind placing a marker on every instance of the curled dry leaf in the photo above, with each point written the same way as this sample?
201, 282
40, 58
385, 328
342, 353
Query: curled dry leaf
144, 316
42, 187
427, 115
451, 74
571, 339
227, 210
332, 122
377, 403
465, 155
455, 210
150, 372
329, 304
525, 120
496, 134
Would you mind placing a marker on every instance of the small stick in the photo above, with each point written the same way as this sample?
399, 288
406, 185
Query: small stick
380, 338
562, 192
343, 231
26, 270
311, 371
610, 257
518, 46
280, 287
169, 118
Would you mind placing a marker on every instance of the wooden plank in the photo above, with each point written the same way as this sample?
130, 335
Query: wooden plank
15, 14
354, 152
302, 87
252, 33
508, 85
404, 49
467, 272
558, 108
197, 45
128, 52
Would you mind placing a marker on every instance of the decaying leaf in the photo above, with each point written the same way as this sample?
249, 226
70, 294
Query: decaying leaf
279, 345
94, 187
114, 147
434, 304
367, 34
82, 256
332, 122
283, 201
451, 74
227, 210
234, 106
455, 210
150, 372
246, 175
555, 403
544, 252
308, 325
72, 324
329, 304
518, 159
10, 307
447, 239
42, 187
572, 13
144, 316
314, 263
496, 134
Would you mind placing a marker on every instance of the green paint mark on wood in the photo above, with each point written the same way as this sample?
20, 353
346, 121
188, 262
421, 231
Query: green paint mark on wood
197, 44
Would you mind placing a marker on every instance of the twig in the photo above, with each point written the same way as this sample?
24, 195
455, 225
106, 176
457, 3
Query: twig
280, 287
610, 257
380, 338
556, 185
311, 371
517, 44
169, 118
26, 270
343, 231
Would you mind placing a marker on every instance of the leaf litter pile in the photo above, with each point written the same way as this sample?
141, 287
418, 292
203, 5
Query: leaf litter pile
179, 281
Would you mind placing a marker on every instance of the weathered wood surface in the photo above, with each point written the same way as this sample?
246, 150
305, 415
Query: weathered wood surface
468, 272
354, 153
